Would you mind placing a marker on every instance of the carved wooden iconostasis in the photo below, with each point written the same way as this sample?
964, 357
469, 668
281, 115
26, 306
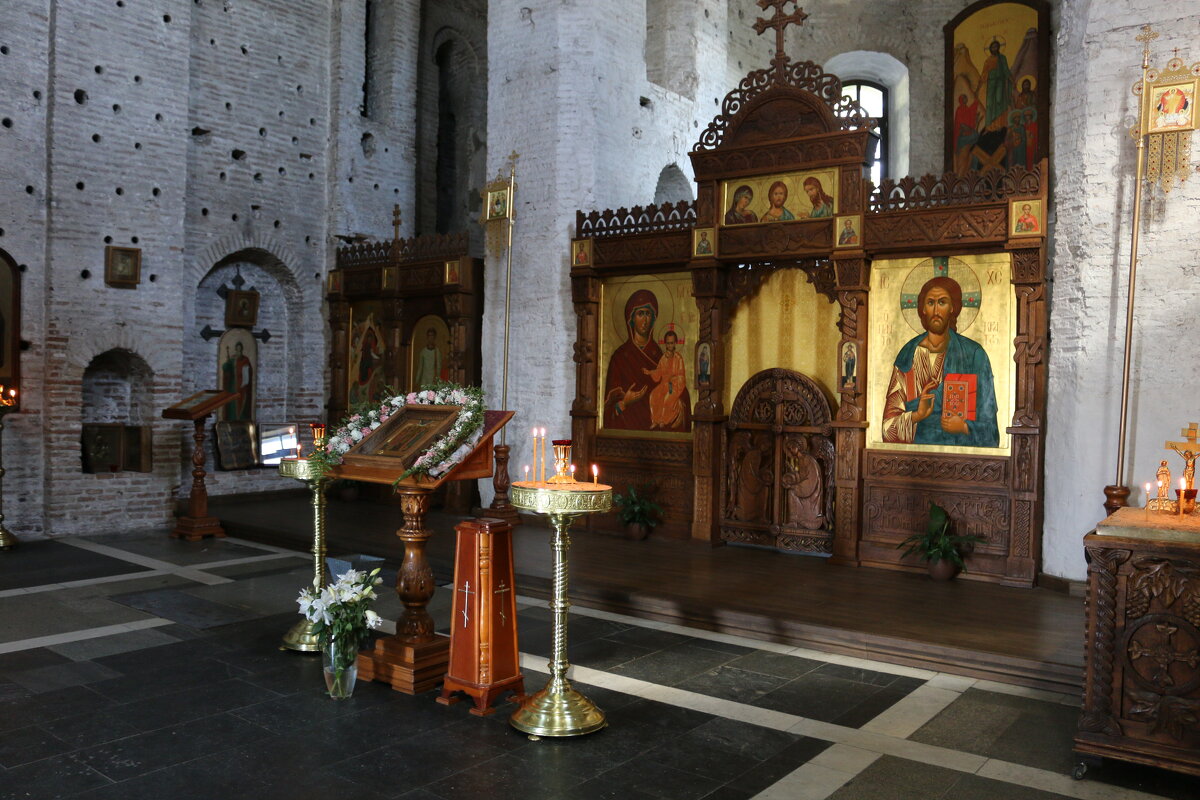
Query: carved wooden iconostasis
806, 431
404, 313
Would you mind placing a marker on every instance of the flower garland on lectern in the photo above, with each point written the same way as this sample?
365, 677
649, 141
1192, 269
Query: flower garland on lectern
442, 456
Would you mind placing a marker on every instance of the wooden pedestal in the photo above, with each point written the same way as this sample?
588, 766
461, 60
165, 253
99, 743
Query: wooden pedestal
484, 659
410, 667
1141, 697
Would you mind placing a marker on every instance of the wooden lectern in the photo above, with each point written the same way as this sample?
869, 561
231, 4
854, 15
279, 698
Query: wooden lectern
484, 659
414, 660
197, 524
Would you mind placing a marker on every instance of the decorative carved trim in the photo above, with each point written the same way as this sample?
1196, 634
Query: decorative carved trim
657, 451
760, 85
1100, 640
795, 398
848, 148
938, 468
429, 247
892, 512
777, 239
954, 189
639, 219
1021, 535
1027, 265
669, 247
951, 226
1165, 581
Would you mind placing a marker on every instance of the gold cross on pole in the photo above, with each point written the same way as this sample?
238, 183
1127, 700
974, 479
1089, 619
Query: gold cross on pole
779, 21
396, 222
1147, 36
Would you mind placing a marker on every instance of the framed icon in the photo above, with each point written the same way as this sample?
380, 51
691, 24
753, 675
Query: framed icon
122, 266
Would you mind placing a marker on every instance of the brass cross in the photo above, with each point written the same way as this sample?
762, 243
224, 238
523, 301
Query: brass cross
466, 589
396, 222
502, 590
1147, 36
779, 21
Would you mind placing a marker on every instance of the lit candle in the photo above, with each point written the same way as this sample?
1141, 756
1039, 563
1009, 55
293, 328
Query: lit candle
572, 472
535, 430
595, 474
527, 473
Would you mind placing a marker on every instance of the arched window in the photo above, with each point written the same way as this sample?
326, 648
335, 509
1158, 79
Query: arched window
874, 100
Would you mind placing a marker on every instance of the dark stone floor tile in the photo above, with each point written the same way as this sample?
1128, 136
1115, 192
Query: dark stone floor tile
49, 779
723, 647
730, 683
507, 777
816, 696
873, 705
44, 561
675, 719
23, 745
297, 674
604, 654
154, 659
61, 676
11, 692
167, 679
189, 704
138, 755
890, 778
781, 764
583, 629
702, 758
973, 787
646, 775
649, 637
47, 706
858, 674
1151, 780
286, 713
741, 738
420, 794
416, 761
673, 665
94, 728
24, 660
778, 664
730, 792
182, 607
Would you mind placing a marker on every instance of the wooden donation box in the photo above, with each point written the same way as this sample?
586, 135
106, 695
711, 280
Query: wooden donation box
1142, 690
415, 658
484, 659
197, 524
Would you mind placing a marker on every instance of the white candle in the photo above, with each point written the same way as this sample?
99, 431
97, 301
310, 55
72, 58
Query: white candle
543, 478
527, 473
595, 474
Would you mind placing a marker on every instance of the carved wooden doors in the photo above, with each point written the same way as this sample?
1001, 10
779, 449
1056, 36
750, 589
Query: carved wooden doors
777, 487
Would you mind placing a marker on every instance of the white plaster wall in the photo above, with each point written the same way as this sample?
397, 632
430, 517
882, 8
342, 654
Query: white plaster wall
1094, 158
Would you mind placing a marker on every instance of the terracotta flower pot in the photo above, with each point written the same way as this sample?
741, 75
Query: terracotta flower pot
943, 569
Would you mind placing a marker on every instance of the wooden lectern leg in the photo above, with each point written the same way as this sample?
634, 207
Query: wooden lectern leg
415, 659
197, 524
500, 508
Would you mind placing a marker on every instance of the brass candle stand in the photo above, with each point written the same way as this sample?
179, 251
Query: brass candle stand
300, 636
558, 709
8, 403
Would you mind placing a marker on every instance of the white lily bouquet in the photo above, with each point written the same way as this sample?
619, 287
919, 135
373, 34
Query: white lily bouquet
341, 617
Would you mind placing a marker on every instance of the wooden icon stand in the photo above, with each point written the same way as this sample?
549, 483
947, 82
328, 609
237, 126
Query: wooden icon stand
484, 659
197, 524
415, 659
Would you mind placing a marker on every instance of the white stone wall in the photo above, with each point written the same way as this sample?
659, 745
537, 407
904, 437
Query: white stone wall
1098, 60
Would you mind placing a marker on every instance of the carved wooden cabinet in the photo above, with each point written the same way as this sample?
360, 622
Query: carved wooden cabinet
1142, 690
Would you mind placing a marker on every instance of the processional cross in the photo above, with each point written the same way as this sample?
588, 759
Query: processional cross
778, 22
1188, 449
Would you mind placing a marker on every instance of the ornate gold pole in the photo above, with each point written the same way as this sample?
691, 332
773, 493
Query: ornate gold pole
300, 636
559, 709
1117, 494
7, 404
500, 505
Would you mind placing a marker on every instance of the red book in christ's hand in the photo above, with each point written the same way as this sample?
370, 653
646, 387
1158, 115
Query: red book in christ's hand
958, 398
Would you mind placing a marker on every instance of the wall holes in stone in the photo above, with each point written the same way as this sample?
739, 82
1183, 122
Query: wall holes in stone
99, 69
108, 240
81, 96
137, 145
6, 122
137, 78
3, 49
238, 155
79, 185
204, 212
262, 131
96, 138
258, 177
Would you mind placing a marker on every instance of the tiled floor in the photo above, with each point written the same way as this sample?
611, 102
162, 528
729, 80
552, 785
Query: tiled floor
137, 666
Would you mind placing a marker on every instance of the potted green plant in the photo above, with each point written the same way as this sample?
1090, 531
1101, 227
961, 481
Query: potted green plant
939, 545
639, 513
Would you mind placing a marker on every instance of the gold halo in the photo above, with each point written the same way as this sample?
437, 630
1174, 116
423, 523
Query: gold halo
618, 327
961, 272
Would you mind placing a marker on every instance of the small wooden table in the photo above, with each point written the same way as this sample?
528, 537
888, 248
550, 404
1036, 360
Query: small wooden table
1141, 699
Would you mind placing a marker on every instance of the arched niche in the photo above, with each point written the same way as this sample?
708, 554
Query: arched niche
673, 186
277, 367
116, 410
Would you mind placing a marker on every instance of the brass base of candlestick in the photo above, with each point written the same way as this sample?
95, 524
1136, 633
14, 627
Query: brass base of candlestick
558, 710
7, 540
300, 637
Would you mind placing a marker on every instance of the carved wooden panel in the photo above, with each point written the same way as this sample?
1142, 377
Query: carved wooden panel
957, 189
779, 465
982, 472
892, 513
801, 237
927, 228
846, 148
635, 220
1142, 689
666, 247
664, 464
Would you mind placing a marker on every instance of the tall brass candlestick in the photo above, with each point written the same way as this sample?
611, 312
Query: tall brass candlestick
8, 402
301, 636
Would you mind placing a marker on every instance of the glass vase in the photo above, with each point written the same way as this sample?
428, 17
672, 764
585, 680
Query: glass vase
340, 659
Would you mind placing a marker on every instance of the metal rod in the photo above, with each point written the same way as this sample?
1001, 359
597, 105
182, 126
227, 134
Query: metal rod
512, 215
1133, 259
